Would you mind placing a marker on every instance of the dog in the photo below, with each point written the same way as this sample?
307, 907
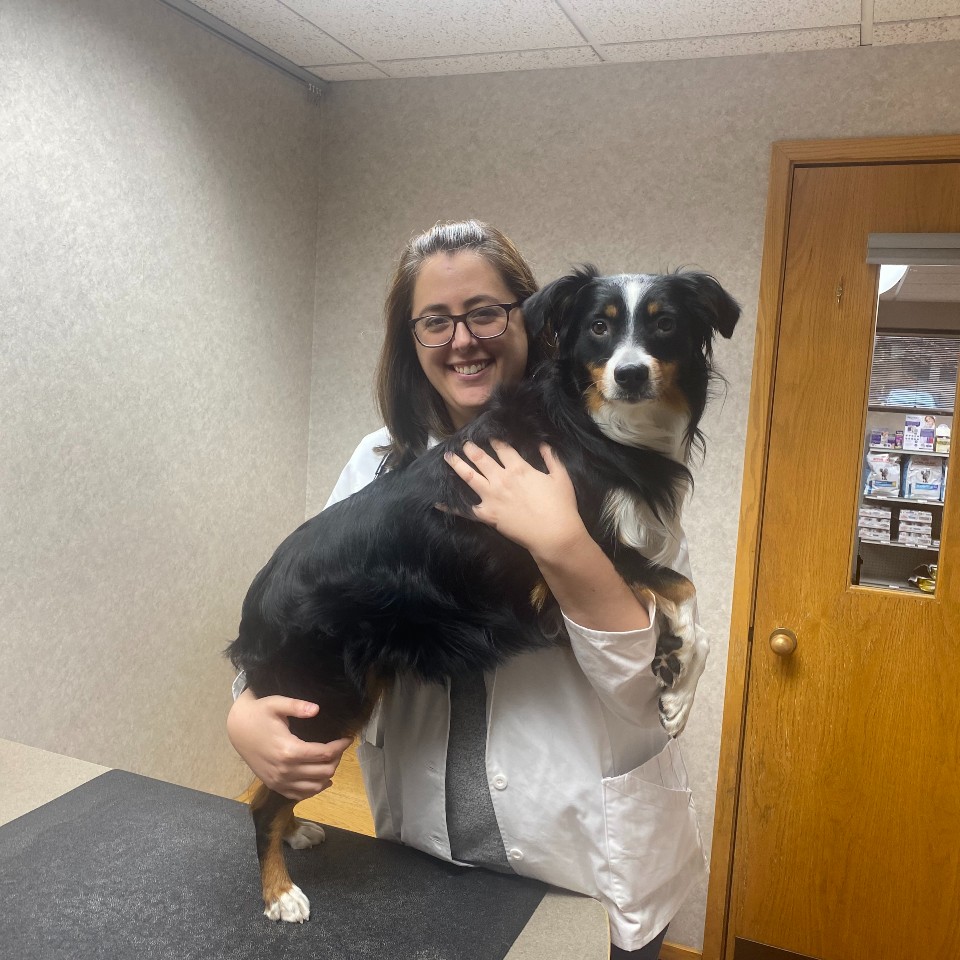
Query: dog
384, 582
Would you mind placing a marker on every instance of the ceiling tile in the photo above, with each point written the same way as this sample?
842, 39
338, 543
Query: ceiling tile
404, 29
280, 29
616, 21
916, 31
885, 10
493, 62
348, 71
781, 41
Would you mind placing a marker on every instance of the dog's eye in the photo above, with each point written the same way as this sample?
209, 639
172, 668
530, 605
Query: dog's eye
599, 327
665, 324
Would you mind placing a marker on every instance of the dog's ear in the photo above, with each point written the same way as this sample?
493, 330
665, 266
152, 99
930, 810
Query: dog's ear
723, 310
550, 305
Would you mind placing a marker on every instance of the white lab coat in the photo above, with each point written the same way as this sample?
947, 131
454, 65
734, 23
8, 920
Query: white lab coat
589, 792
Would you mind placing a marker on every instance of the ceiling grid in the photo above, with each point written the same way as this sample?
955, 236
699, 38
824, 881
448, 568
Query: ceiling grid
336, 40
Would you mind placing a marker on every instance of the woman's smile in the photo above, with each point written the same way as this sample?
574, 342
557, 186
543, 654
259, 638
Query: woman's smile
472, 369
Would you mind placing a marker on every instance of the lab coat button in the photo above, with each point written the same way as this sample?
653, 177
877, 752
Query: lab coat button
500, 782
515, 854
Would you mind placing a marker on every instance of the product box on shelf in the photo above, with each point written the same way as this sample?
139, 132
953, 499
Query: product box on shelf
911, 431
884, 439
916, 516
882, 475
942, 439
870, 533
919, 432
923, 478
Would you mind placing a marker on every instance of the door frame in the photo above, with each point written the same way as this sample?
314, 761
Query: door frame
786, 156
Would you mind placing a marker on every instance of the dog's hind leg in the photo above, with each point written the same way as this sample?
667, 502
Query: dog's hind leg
343, 711
273, 819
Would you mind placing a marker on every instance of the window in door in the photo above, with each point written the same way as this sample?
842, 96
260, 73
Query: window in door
909, 428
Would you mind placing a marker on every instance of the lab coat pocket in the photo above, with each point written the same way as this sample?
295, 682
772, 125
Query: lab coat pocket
651, 830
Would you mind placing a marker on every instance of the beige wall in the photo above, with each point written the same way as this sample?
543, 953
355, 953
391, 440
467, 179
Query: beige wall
158, 238
636, 167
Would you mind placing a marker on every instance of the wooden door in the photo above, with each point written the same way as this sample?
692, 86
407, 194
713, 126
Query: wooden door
847, 839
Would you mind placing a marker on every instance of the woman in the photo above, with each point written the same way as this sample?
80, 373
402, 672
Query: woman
554, 766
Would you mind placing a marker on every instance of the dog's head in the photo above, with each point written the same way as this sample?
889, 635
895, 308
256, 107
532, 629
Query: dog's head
638, 349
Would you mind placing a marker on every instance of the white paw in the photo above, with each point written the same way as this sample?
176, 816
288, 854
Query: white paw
676, 700
674, 711
306, 834
292, 906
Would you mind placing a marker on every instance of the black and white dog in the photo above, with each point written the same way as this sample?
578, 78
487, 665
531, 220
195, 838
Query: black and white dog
384, 582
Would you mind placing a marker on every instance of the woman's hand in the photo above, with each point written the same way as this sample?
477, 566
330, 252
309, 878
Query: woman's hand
534, 509
539, 512
260, 733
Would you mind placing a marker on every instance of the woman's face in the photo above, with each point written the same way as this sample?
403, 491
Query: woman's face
466, 370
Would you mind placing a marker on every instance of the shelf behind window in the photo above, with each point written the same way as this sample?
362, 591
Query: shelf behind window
903, 501
933, 411
933, 548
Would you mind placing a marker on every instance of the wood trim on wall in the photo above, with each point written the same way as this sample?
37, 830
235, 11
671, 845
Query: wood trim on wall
748, 540
785, 157
673, 951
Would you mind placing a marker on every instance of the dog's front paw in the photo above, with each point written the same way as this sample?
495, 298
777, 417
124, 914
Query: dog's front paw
666, 664
292, 906
678, 665
305, 834
674, 711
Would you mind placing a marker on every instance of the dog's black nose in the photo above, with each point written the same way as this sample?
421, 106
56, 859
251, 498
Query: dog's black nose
631, 376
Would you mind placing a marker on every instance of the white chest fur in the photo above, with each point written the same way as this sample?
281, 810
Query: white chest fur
635, 525
649, 424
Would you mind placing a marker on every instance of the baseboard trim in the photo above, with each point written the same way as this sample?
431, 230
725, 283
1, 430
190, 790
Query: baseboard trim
673, 951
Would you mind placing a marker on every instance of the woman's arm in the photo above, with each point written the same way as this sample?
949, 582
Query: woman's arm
539, 512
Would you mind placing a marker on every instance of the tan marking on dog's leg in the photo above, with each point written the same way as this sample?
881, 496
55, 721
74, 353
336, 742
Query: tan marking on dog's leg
539, 596
282, 898
677, 592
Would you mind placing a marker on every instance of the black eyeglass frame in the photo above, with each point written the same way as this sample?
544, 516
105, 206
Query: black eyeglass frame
462, 318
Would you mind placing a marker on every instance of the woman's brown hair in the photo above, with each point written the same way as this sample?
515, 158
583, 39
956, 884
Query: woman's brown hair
411, 408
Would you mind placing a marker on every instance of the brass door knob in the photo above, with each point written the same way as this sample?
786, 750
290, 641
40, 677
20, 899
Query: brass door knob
783, 642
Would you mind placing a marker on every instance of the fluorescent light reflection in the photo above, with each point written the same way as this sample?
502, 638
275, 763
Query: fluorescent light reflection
890, 275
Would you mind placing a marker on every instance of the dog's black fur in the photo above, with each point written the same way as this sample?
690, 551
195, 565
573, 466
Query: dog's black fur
384, 582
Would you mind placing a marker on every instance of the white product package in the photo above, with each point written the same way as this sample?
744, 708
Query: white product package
924, 478
883, 474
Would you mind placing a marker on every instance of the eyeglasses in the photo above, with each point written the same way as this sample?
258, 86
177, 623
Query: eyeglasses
484, 323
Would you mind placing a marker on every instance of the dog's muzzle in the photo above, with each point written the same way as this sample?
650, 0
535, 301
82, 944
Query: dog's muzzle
633, 381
